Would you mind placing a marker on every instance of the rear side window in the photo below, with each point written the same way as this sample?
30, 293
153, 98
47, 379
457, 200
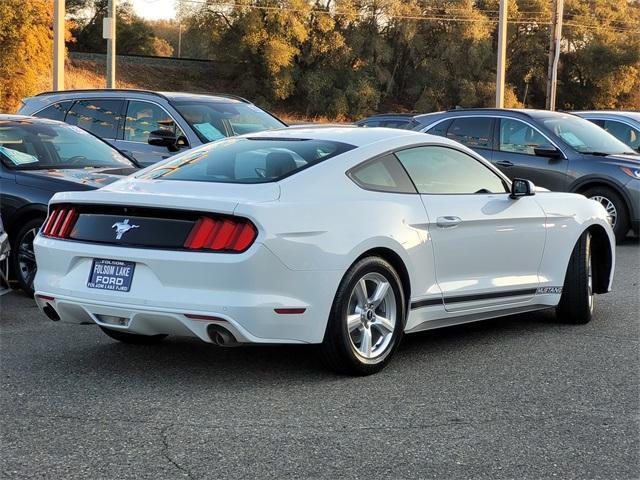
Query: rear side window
247, 160
57, 111
440, 129
395, 124
473, 132
100, 117
623, 132
383, 174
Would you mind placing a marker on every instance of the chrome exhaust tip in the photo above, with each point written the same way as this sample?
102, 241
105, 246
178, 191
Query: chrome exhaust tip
221, 337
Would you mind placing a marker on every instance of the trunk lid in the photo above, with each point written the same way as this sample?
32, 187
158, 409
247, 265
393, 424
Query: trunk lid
175, 194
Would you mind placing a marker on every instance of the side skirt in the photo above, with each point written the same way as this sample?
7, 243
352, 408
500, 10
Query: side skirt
474, 317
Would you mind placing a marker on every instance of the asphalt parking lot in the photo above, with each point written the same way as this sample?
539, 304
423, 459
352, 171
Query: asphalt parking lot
518, 397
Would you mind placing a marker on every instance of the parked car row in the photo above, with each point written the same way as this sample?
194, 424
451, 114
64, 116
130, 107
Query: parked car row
369, 233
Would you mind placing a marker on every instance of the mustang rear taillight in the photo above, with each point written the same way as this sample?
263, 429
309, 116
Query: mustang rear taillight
221, 234
60, 222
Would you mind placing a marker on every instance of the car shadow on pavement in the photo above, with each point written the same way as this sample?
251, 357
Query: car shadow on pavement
189, 360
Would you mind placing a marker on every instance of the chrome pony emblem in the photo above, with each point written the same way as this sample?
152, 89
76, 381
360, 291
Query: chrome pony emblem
123, 227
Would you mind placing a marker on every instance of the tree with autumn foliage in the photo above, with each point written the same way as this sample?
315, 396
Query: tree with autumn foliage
26, 45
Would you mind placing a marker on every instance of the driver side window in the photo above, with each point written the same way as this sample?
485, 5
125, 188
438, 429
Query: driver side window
145, 117
518, 137
443, 170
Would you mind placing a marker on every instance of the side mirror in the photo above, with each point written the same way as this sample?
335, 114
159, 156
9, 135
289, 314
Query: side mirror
522, 188
164, 138
551, 152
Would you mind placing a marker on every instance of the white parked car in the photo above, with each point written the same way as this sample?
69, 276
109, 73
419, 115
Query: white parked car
341, 236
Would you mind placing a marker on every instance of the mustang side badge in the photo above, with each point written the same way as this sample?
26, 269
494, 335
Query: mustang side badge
545, 290
123, 227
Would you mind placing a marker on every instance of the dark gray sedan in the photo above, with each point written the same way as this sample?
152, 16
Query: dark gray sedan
38, 158
558, 151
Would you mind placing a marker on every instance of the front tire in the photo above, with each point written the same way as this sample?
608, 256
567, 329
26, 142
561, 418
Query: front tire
133, 338
577, 301
367, 319
615, 207
23, 259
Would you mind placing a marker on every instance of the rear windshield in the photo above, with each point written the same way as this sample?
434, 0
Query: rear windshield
246, 160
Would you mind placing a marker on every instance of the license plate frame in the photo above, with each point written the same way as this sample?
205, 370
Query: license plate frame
111, 275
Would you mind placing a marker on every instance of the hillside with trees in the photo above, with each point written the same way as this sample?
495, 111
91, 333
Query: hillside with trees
342, 59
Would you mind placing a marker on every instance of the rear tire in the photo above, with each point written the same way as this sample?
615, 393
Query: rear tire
367, 319
133, 338
577, 301
615, 206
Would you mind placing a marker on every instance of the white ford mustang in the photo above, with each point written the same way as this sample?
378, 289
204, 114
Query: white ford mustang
344, 237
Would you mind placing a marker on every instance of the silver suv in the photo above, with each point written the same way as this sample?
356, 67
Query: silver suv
151, 126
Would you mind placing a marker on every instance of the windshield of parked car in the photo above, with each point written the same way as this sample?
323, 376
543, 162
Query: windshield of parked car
214, 120
584, 136
246, 160
32, 146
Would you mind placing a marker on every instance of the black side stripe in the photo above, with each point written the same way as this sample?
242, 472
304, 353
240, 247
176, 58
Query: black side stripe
426, 303
472, 298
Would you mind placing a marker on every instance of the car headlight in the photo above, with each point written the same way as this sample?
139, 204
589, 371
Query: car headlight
632, 172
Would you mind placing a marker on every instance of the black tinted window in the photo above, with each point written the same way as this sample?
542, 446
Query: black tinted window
474, 132
57, 111
370, 123
438, 170
382, 174
623, 132
247, 160
394, 123
100, 117
440, 129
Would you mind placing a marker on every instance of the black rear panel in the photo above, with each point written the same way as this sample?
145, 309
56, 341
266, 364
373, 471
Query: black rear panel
133, 226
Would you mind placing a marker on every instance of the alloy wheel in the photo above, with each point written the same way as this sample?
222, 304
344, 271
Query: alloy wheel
371, 315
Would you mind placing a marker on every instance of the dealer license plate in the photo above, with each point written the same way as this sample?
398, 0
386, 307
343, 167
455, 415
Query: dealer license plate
111, 275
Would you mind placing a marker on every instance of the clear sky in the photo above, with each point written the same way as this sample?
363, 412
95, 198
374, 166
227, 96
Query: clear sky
154, 9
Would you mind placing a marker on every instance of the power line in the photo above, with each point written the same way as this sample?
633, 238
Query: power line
452, 18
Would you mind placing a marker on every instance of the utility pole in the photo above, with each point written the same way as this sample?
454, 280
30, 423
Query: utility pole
58, 44
179, 39
554, 53
109, 32
502, 54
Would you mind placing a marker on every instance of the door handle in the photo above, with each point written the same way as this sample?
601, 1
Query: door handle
505, 163
448, 221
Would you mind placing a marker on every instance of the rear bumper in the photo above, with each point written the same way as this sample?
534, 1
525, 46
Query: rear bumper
145, 320
241, 290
